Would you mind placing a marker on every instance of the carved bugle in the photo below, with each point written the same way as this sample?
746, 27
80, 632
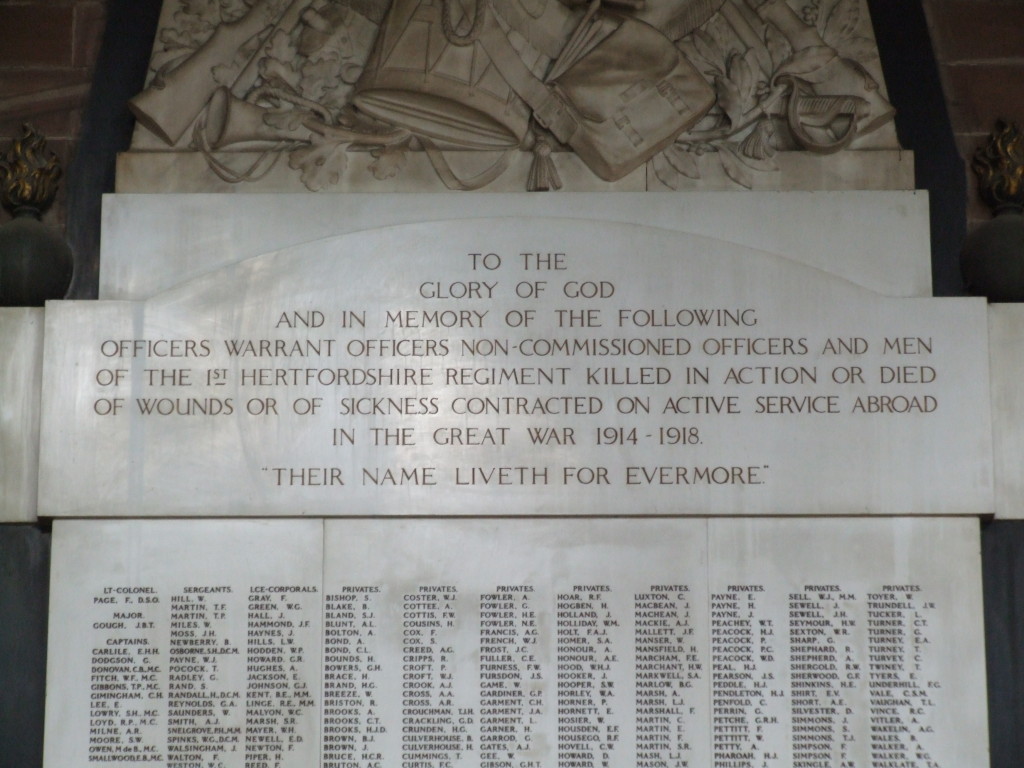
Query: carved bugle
169, 107
232, 121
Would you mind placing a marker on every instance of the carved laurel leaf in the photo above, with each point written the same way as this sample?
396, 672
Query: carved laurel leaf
734, 167
683, 161
164, 62
741, 73
280, 75
666, 174
729, 99
192, 25
860, 49
281, 49
322, 163
208, 9
760, 66
817, 12
328, 81
232, 10
317, 77
736, 92
389, 161
723, 35
351, 72
189, 38
709, 50
842, 21
224, 74
778, 46
337, 98
808, 64
695, 57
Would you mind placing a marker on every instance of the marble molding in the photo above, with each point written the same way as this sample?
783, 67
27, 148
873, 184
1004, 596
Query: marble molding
21, 349
878, 240
1007, 367
155, 172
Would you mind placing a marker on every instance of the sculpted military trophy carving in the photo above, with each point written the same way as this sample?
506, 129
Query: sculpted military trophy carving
620, 84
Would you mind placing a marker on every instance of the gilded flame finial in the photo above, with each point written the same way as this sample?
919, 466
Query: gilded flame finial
1000, 167
28, 173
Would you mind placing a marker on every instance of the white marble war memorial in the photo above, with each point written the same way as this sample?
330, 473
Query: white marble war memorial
678, 464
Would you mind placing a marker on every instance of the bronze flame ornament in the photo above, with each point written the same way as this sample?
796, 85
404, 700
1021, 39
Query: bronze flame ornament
999, 166
992, 259
35, 263
29, 174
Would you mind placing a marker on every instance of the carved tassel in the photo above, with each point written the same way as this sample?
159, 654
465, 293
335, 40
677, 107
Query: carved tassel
543, 174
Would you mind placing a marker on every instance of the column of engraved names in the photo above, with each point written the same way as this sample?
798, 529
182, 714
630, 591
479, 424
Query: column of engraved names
126, 704
351, 724
587, 663
278, 670
825, 675
747, 680
202, 727
900, 688
511, 681
432, 737
667, 669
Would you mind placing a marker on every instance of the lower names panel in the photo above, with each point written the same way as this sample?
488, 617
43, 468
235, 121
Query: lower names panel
642, 643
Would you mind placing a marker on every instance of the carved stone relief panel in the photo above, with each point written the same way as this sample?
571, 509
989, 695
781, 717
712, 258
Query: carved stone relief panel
515, 94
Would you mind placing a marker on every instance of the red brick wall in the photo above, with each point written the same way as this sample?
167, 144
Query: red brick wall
979, 45
47, 51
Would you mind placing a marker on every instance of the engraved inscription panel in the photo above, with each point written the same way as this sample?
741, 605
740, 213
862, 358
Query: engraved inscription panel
601, 369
